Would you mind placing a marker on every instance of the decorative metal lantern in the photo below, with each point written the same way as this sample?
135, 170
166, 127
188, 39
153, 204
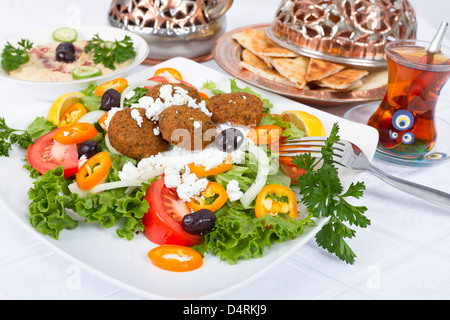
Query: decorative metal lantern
172, 28
343, 31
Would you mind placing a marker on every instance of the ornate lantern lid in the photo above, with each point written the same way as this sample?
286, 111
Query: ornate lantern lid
343, 31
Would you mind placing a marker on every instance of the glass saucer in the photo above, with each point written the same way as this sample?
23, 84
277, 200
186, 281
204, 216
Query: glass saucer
439, 153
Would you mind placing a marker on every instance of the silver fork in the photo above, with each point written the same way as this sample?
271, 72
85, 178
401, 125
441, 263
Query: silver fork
351, 156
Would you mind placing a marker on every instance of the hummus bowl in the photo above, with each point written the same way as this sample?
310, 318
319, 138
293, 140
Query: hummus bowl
44, 37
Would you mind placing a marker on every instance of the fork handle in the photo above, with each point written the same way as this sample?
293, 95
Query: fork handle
421, 191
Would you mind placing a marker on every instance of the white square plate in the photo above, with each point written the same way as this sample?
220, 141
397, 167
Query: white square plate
125, 263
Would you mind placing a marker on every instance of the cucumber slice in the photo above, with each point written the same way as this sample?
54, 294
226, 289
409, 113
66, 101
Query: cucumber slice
65, 35
85, 72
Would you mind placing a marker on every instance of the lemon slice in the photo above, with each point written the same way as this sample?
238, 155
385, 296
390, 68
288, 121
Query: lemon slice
306, 122
60, 105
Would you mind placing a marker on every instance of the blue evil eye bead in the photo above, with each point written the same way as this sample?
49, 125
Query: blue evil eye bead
394, 135
436, 156
402, 120
408, 138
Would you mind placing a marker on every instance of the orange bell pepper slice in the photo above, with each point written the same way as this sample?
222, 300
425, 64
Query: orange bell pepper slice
200, 171
175, 258
118, 84
275, 199
75, 133
72, 114
94, 170
173, 72
212, 198
265, 135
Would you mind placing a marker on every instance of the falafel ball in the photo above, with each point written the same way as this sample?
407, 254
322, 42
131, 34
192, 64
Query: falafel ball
187, 127
238, 108
134, 140
192, 92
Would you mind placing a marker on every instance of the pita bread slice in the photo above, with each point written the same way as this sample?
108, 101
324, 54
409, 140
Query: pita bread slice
260, 44
319, 69
344, 79
294, 69
256, 65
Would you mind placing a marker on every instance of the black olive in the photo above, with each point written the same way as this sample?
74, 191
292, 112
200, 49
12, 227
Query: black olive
199, 222
66, 46
65, 56
88, 149
229, 140
110, 99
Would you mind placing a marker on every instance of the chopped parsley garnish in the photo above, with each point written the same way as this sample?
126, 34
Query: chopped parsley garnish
9, 136
109, 53
13, 58
324, 196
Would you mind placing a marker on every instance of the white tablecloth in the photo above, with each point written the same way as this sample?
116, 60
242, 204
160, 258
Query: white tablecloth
404, 254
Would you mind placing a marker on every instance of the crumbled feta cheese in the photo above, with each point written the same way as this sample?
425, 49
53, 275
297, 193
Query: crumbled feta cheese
82, 160
233, 191
137, 117
156, 131
111, 113
129, 172
130, 94
191, 187
197, 124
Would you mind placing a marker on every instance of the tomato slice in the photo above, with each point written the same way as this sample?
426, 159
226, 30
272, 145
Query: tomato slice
175, 258
118, 84
213, 191
94, 170
72, 115
75, 133
265, 135
275, 199
290, 169
163, 221
47, 154
173, 72
161, 79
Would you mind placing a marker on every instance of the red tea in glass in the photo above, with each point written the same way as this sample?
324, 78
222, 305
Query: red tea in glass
405, 117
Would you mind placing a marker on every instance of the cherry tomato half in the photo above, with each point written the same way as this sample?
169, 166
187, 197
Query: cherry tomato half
75, 133
94, 170
275, 199
175, 258
47, 154
118, 84
72, 114
163, 221
213, 191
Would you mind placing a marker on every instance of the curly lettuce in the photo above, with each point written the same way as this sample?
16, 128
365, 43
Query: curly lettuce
52, 201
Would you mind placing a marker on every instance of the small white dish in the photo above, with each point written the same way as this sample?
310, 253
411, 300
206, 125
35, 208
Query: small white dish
125, 263
44, 36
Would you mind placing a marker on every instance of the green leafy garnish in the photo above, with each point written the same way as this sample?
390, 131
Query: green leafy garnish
109, 53
13, 58
324, 196
10, 136
290, 130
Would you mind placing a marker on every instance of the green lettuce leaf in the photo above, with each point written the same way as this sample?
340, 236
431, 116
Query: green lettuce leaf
290, 130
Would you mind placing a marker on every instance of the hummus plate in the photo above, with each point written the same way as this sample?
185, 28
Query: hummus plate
44, 37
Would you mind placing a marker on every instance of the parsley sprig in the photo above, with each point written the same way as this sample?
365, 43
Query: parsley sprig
13, 58
9, 136
109, 53
324, 196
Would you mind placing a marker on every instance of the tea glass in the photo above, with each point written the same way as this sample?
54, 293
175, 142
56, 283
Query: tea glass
405, 119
